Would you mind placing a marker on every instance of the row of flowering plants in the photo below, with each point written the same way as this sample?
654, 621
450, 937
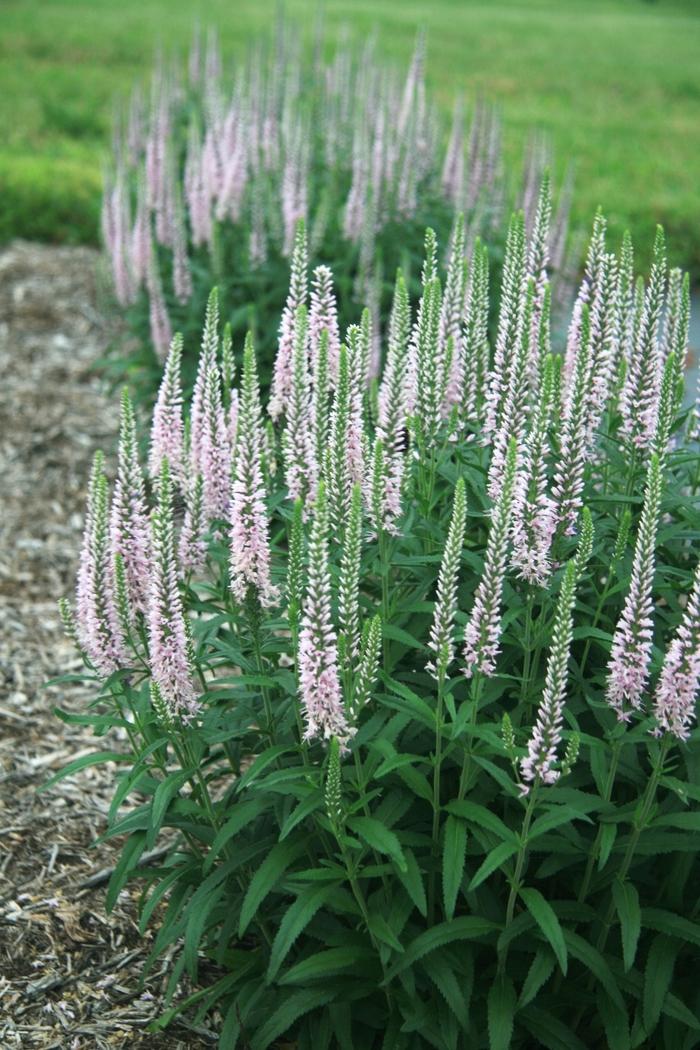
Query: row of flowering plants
404, 670
210, 176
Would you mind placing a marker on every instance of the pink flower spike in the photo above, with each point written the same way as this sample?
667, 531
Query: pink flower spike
677, 688
167, 430
628, 666
250, 542
97, 623
169, 644
319, 679
129, 530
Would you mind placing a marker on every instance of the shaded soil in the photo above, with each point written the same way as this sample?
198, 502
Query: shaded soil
69, 973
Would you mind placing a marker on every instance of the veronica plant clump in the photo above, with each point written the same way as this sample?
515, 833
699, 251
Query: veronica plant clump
403, 667
213, 170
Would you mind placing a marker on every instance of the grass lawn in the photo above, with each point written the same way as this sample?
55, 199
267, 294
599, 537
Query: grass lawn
615, 83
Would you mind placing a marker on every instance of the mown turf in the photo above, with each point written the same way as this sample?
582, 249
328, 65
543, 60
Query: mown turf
615, 83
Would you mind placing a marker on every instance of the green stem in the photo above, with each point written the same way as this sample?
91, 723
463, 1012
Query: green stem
437, 767
595, 848
362, 905
519, 869
640, 823
384, 573
527, 644
260, 666
477, 688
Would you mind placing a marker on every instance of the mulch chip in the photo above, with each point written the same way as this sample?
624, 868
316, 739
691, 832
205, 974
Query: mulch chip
69, 973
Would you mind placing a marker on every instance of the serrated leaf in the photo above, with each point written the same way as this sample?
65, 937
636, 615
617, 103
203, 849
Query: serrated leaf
294, 921
379, 837
626, 901
397, 634
265, 878
412, 702
554, 819
412, 881
243, 813
326, 963
476, 814
501, 1005
259, 764
443, 977
454, 851
131, 852
615, 1022
672, 924
96, 758
164, 794
198, 911
380, 928
539, 973
305, 808
463, 928
658, 974
676, 1009
608, 834
593, 961
549, 1031
686, 821
290, 1010
544, 916
497, 856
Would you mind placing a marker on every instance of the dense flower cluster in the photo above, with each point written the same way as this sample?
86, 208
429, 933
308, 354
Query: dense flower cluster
211, 176
541, 412
311, 615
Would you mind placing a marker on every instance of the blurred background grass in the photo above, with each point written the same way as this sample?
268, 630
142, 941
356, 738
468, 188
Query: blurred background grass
615, 84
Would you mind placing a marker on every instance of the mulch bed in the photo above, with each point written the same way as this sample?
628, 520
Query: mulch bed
69, 973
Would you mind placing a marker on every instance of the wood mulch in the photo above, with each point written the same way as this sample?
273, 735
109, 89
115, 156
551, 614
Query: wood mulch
69, 973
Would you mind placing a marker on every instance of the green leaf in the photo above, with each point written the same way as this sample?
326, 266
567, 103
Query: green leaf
626, 901
290, 1010
131, 853
658, 975
96, 758
397, 634
161, 889
325, 963
381, 929
501, 1011
594, 961
549, 1031
498, 856
454, 850
476, 814
200, 908
164, 794
615, 1022
608, 833
412, 881
544, 916
687, 821
296, 918
554, 819
539, 973
463, 928
443, 977
413, 703
270, 755
243, 813
379, 837
268, 875
301, 812
672, 924
675, 1008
